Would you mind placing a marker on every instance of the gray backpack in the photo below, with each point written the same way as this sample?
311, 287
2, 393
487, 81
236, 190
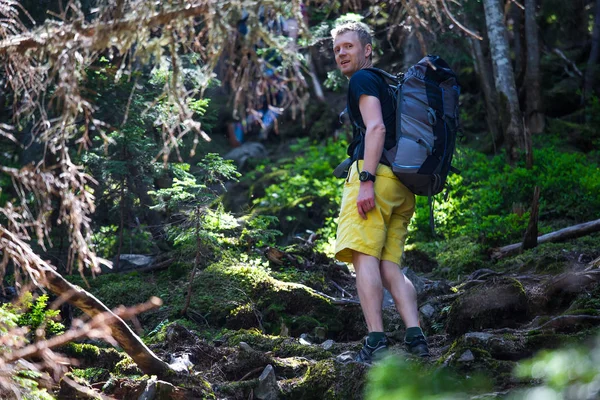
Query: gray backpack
426, 125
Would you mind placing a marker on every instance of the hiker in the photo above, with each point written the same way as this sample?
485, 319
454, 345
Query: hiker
376, 207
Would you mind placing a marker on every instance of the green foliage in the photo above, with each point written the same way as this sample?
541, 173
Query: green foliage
34, 313
91, 375
303, 192
258, 231
335, 80
489, 200
398, 379
572, 373
27, 380
218, 170
456, 256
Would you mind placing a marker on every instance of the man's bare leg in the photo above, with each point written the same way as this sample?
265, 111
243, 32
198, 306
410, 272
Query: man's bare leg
402, 291
405, 298
370, 289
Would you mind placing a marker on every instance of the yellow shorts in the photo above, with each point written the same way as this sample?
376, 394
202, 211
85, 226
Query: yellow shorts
383, 233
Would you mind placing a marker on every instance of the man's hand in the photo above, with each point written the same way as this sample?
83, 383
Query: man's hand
365, 201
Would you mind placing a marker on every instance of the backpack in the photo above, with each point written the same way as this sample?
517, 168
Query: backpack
426, 125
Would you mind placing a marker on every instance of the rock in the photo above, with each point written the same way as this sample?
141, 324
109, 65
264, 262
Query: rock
427, 310
416, 280
178, 335
267, 388
246, 347
68, 391
435, 288
498, 303
346, 357
502, 347
481, 337
157, 390
467, 356
320, 333
181, 363
241, 154
131, 262
305, 339
388, 300
149, 392
328, 344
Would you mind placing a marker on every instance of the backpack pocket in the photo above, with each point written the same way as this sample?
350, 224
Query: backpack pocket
410, 155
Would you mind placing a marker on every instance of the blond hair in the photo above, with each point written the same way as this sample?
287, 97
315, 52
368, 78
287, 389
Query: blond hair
362, 29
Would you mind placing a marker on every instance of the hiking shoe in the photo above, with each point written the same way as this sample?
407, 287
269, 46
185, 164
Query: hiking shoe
418, 346
368, 354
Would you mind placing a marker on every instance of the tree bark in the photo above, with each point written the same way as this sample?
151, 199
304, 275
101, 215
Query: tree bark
509, 109
145, 359
484, 71
592, 64
530, 239
412, 51
534, 110
571, 232
519, 48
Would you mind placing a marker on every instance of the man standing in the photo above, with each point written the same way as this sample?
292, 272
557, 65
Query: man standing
376, 207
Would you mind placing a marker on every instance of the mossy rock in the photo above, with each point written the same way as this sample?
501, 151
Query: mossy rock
500, 303
127, 367
67, 391
90, 356
280, 346
327, 380
92, 375
468, 359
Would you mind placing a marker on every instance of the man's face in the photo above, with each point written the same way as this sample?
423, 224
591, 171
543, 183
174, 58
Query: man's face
350, 55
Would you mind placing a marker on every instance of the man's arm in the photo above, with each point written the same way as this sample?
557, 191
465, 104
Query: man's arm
370, 110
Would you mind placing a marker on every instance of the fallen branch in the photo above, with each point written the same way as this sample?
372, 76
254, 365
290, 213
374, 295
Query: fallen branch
334, 300
154, 267
341, 289
559, 53
44, 275
571, 232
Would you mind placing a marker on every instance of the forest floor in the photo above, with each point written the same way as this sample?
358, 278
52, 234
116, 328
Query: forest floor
482, 325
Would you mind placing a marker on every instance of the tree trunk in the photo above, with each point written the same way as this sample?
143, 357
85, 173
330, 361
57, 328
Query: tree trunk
121, 226
510, 112
519, 48
483, 69
535, 117
188, 298
145, 359
531, 234
592, 64
411, 49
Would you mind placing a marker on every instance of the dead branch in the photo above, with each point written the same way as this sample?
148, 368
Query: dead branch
461, 26
47, 34
571, 232
96, 328
44, 275
559, 53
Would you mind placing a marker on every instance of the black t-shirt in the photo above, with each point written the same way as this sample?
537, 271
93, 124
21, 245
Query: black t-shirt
371, 84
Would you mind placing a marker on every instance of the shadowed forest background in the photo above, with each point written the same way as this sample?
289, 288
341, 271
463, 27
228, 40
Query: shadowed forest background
168, 209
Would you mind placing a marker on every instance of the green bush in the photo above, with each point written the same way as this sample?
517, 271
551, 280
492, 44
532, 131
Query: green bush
490, 200
34, 313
